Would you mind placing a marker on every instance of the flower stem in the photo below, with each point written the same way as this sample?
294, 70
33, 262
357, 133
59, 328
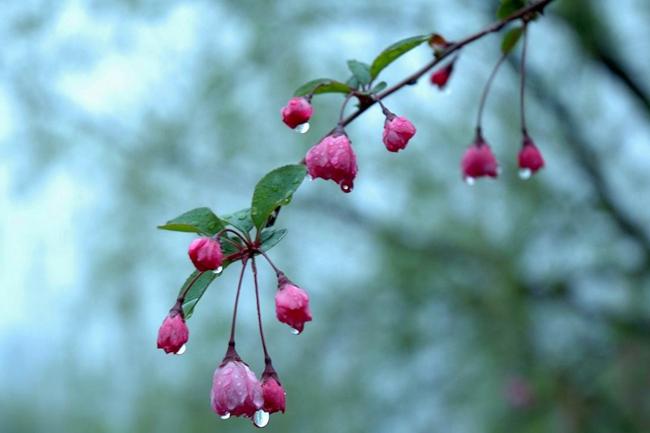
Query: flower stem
231, 342
486, 90
522, 110
267, 358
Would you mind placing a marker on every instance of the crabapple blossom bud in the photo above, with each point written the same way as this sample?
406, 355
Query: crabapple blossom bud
530, 158
292, 305
206, 254
441, 76
333, 158
479, 161
273, 394
235, 390
397, 132
297, 111
173, 333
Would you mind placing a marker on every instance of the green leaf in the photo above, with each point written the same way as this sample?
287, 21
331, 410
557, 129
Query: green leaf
274, 190
353, 82
361, 71
510, 39
379, 87
271, 237
393, 52
322, 85
198, 289
240, 220
200, 220
509, 7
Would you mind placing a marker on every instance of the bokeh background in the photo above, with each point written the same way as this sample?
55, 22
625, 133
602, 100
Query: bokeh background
508, 306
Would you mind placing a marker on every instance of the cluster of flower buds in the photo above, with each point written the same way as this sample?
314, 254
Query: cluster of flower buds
236, 391
333, 157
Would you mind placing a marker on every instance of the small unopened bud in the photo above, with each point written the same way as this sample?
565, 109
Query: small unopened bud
273, 394
441, 76
479, 161
397, 133
206, 254
530, 158
235, 390
292, 305
297, 111
173, 333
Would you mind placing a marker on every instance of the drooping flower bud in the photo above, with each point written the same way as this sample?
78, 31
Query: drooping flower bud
441, 76
235, 389
292, 305
297, 112
530, 158
397, 132
173, 333
273, 394
206, 254
479, 161
333, 158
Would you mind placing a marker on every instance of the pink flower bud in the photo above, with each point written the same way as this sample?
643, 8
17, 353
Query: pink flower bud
397, 133
292, 305
173, 333
206, 254
441, 76
297, 111
333, 158
530, 158
235, 390
479, 161
273, 394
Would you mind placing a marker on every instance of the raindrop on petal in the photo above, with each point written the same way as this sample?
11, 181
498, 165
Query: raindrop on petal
261, 418
470, 180
181, 350
294, 331
225, 415
525, 173
302, 128
218, 270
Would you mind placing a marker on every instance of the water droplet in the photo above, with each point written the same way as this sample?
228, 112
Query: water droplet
470, 180
447, 90
295, 331
182, 349
225, 415
261, 418
525, 173
302, 128
218, 270
346, 187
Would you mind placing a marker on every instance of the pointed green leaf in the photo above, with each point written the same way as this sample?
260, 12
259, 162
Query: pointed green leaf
271, 237
510, 39
322, 85
379, 87
353, 82
194, 295
361, 71
275, 189
393, 52
240, 220
200, 220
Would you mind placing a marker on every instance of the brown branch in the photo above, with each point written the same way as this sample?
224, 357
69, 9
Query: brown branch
454, 47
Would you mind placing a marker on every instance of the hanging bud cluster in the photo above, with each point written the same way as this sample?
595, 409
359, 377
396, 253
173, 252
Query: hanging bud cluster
236, 391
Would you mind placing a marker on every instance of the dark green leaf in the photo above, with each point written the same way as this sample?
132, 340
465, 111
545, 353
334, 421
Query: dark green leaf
198, 289
510, 39
360, 70
379, 87
275, 189
200, 220
240, 220
509, 7
390, 54
271, 237
321, 85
